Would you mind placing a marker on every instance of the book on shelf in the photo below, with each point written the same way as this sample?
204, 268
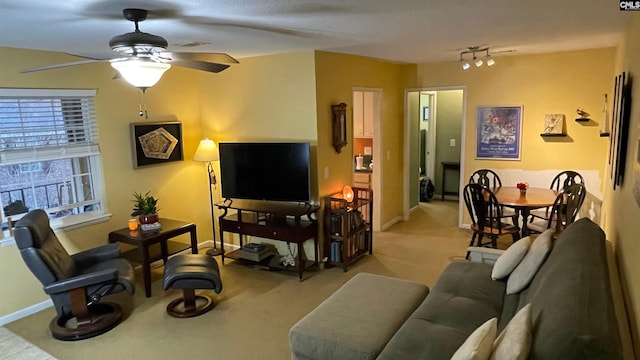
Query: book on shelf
336, 257
336, 224
254, 247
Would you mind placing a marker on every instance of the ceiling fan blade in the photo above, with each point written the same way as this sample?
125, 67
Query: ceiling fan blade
220, 58
200, 65
57, 66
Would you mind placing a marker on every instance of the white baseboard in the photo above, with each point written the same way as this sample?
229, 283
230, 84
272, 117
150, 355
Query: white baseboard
25, 312
209, 244
389, 224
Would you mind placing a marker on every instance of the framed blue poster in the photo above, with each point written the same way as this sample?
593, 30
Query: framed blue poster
499, 130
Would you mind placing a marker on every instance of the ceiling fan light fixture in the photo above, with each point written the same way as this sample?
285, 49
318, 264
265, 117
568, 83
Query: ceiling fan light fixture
140, 73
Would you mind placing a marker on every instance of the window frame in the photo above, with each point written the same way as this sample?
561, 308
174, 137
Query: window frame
89, 150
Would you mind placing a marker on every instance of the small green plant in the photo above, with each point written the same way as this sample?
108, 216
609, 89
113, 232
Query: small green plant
144, 204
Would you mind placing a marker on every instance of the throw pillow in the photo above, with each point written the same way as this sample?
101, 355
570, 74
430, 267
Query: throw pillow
479, 344
526, 270
514, 341
510, 258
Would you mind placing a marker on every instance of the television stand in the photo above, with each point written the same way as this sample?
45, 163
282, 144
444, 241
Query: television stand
288, 222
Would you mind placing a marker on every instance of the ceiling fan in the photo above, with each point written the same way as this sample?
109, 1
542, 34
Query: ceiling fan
143, 58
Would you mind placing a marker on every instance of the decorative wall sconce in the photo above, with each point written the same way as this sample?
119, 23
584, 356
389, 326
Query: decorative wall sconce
339, 126
477, 61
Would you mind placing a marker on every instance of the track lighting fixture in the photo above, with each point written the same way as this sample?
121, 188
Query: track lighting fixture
478, 61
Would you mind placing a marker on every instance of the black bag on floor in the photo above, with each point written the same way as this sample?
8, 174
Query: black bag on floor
426, 189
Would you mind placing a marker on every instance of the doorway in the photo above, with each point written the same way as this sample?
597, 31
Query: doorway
367, 140
434, 128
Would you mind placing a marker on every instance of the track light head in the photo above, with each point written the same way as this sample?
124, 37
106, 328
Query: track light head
489, 60
477, 61
465, 64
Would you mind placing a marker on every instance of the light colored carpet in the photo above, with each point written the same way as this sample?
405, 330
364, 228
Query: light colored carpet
256, 308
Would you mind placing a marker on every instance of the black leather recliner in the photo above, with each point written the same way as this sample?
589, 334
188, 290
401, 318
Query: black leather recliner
75, 282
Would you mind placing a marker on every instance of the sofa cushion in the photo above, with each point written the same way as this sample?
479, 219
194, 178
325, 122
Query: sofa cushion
479, 344
514, 341
510, 258
522, 275
357, 320
463, 298
572, 309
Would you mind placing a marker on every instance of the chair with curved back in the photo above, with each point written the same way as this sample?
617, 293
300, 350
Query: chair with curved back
486, 177
565, 179
490, 179
76, 283
560, 182
563, 211
486, 215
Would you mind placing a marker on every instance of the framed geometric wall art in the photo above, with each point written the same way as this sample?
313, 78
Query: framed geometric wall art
156, 143
498, 132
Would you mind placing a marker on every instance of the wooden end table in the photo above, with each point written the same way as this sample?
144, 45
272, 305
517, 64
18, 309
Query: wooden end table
144, 239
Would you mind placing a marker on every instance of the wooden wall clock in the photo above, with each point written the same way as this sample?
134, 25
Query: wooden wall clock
339, 126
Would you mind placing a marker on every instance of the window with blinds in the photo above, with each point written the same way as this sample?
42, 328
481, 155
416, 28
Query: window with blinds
49, 153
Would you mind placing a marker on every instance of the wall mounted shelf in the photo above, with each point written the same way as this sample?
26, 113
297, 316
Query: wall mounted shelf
582, 119
552, 135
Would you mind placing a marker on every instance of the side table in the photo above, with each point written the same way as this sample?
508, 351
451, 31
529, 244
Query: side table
144, 239
447, 165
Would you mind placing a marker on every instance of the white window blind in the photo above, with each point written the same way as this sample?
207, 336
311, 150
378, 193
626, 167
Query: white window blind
47, 125
49, 153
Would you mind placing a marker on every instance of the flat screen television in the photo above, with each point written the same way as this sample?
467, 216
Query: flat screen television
274, 171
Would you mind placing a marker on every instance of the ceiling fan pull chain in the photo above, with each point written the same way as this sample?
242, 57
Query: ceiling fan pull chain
142, 106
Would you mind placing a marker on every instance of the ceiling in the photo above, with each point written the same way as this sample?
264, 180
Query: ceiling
404, 31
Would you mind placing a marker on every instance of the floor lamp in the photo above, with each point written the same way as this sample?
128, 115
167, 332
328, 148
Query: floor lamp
207, 152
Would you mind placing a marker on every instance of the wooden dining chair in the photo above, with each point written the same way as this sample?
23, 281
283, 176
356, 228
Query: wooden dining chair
560, 182
486, 216
490, 179
563, 211
565, 179
486, 177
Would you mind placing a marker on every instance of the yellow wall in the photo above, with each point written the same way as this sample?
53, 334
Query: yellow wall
264, 98
336, 76
621, 212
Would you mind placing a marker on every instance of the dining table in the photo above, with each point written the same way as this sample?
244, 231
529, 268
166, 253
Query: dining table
534, 198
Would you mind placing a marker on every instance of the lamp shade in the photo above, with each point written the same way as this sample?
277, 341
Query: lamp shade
206, 151
141, 73
347, 193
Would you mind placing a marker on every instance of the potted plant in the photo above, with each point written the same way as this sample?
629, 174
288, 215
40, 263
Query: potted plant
145, 207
